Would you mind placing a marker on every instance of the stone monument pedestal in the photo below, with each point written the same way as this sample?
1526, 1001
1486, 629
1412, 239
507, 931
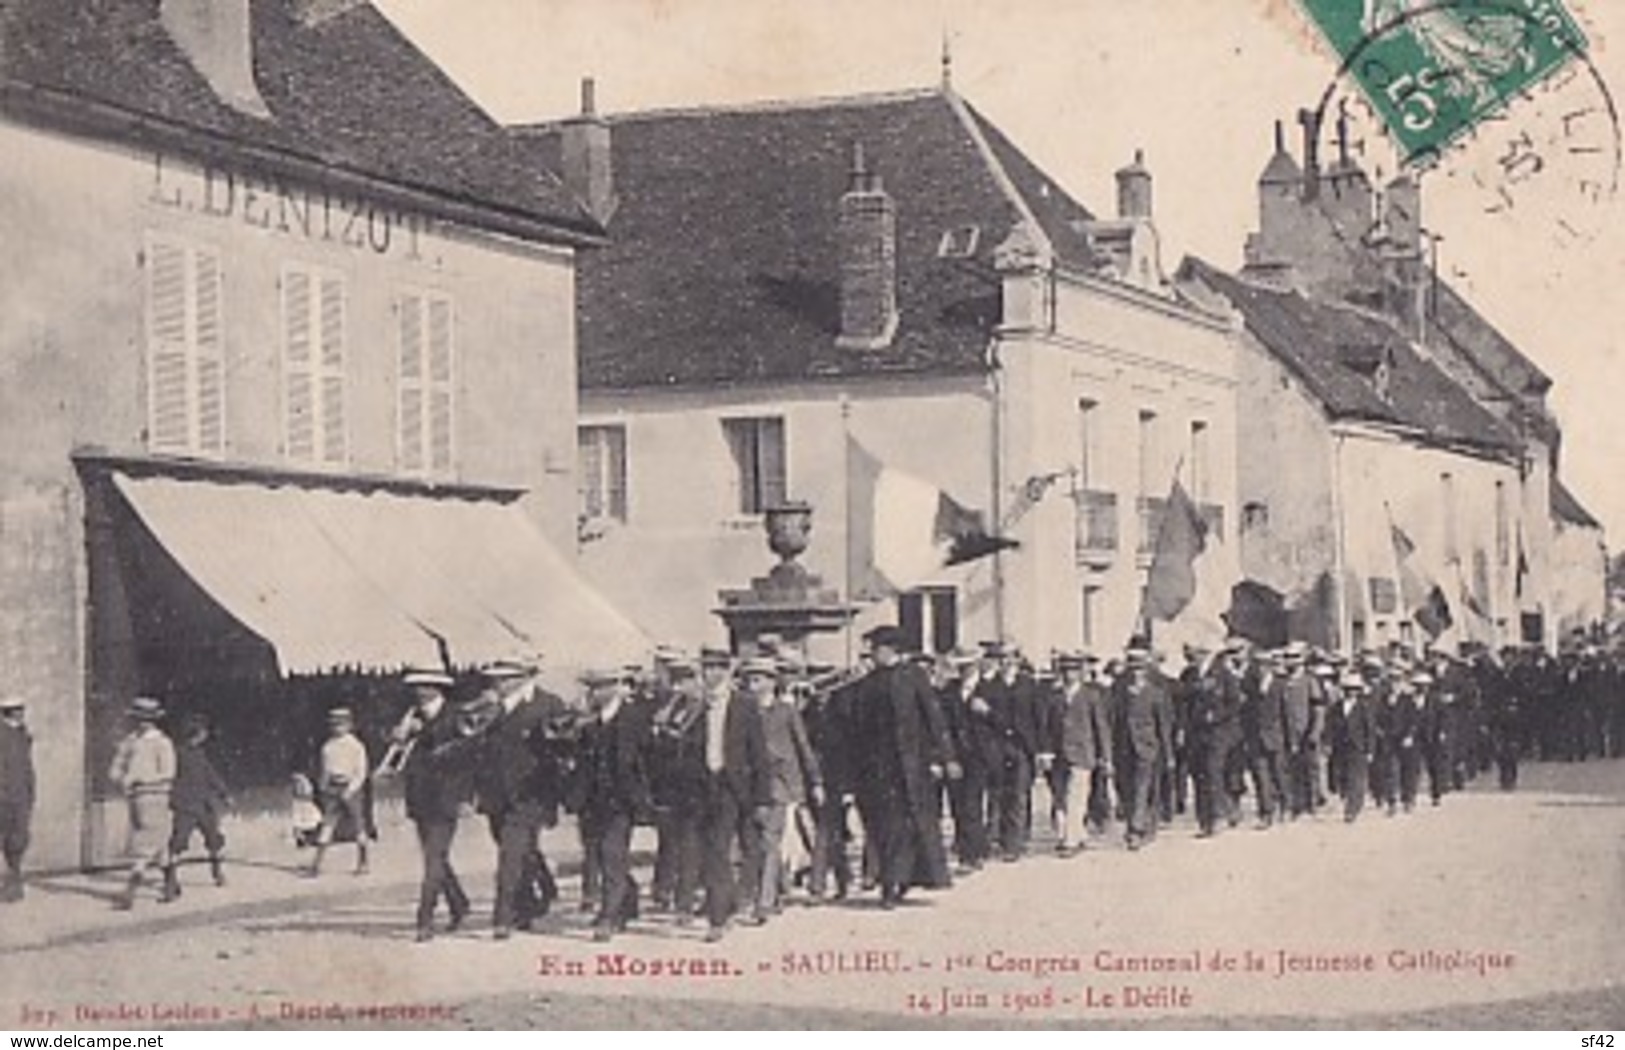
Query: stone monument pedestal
789, 604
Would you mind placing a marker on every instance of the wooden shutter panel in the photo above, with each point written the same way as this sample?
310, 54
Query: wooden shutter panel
331, 319
911, 619
944, 621
741, 434
615, 454
772, 462
298, 386
441, 407
168, 415
410, 416
211, 354
590, 463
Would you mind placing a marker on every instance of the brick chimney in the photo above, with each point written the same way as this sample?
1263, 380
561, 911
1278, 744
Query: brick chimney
1134, 189
867, 235
585, 157
217, 37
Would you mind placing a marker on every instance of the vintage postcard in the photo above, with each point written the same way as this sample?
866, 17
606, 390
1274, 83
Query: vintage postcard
855, 514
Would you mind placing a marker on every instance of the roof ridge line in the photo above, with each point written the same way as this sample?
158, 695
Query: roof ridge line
772, 105
1001, 177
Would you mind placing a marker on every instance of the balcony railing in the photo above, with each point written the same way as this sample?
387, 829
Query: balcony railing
1097, 528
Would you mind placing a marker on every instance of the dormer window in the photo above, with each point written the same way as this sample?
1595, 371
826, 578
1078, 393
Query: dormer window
959, 242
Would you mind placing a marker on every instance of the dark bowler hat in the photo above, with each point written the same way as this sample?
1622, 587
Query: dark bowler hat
1069, 659
713, 656
886, 636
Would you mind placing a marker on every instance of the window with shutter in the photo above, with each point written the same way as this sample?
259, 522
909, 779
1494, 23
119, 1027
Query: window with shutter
313, 363
426, 419
186, 366
602, 471
758, 447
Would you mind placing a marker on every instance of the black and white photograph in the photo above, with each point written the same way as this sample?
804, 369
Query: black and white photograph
812, 514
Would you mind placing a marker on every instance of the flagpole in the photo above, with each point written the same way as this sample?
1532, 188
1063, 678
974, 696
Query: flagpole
846, 489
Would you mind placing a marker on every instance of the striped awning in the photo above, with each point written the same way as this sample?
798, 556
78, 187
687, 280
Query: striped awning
336, 579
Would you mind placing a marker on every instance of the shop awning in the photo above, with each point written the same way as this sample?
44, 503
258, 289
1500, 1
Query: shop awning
345, 579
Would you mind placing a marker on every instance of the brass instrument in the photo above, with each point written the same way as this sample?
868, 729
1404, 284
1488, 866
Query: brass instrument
402, 740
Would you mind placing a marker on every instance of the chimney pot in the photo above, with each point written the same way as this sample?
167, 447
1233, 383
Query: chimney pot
1134, 189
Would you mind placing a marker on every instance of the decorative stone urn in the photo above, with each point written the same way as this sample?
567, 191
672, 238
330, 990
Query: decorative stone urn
788, 603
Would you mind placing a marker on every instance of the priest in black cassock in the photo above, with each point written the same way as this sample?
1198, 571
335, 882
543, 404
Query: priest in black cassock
903, 753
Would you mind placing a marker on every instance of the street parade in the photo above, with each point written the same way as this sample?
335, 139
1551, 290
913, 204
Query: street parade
768, 780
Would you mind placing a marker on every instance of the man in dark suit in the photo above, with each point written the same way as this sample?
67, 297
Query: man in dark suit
738, 788
436, 784
677, 777
1215, 736
16, 794
828, 715
1078, 743
906, 754
518, 786
615, 792
1012, 698
1263, 717
1295, 703
1351, 733
1142, 733
976, 746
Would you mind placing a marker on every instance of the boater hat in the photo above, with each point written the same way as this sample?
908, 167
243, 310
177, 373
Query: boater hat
11, 703
340, 716
426, 677
146, 709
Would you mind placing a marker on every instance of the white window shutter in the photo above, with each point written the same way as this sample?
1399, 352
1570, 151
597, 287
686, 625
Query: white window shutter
334, 426
771, 453
211, 354
615, 457
169, 347
412, 381
298, 387
590, 464
441, 396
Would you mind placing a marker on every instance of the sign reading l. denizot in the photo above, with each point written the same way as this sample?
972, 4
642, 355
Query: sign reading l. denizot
1433, 69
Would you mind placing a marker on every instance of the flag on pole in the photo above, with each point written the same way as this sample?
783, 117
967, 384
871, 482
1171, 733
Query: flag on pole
1424, 600
902, 530
1188, 587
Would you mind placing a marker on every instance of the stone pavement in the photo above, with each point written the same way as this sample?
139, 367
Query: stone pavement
1492, 899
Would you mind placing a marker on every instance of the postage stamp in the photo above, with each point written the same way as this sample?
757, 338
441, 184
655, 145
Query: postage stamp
1435, 70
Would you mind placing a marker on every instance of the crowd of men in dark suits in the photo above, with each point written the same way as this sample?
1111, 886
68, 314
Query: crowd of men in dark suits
732, 760
764, 775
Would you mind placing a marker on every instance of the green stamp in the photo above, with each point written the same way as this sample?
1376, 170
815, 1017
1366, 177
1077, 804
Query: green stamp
1434, 69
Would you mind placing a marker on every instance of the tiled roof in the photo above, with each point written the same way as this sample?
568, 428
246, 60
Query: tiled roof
1335, 350
722, 263
348, 92
1456, 318
1566, 507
